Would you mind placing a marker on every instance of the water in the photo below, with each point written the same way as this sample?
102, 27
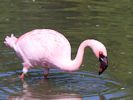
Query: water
60, 86
107, 21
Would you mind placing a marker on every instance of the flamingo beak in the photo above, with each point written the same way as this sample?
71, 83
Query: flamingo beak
103, 64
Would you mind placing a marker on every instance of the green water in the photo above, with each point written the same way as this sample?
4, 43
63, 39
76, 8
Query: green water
109, 21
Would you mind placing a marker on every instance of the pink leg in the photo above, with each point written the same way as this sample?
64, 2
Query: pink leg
24, 71
22, 76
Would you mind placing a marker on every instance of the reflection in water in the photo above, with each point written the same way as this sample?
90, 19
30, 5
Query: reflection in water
60, 86
31, 93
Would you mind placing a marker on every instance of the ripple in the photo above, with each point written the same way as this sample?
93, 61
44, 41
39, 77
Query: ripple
60, 85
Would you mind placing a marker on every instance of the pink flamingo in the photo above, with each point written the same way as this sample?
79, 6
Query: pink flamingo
49, 48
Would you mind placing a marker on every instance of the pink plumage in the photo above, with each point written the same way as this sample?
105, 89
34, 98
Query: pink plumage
49, 48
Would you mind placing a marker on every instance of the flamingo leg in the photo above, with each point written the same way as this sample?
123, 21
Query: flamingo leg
22, 76
46, 73
24, 71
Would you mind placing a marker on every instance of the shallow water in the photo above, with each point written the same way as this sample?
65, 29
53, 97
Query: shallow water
107, 21
60, 86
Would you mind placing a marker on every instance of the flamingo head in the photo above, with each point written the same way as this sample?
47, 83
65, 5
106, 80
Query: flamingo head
101, 53
10, 41
103, 62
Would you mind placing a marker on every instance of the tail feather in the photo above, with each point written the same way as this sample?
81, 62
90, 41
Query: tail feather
10, 41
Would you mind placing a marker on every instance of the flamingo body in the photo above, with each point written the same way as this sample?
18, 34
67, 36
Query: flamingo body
49, 48
43, 47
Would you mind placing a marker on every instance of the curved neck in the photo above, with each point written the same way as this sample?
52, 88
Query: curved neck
73, 65
80, 53
96, 46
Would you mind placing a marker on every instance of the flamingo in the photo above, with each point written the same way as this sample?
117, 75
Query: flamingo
49, 48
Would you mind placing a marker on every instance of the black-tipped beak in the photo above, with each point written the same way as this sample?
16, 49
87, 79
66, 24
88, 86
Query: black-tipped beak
103, 64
